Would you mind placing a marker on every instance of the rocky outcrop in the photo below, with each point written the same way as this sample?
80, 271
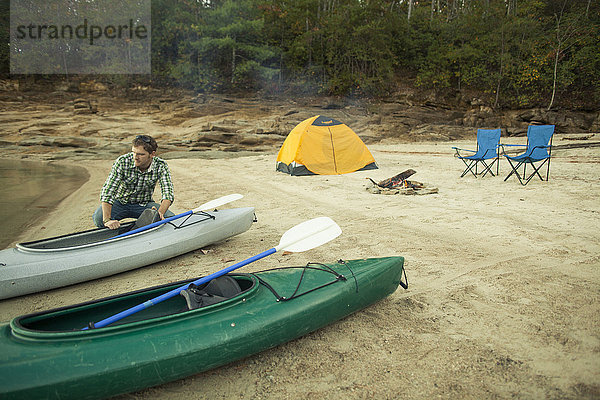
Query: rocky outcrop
90, 120
438, 121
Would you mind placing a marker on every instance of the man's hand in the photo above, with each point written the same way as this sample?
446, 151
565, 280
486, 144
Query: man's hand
164, 206
112, 224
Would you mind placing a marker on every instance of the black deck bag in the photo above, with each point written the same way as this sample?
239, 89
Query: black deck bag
215, 291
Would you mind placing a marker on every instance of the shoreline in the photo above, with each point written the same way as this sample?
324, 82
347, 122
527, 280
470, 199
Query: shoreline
504, 293
47, 199
68, 214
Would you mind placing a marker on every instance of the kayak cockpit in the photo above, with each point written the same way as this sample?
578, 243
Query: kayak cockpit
78, 239
99, 236
72, 319
280, 285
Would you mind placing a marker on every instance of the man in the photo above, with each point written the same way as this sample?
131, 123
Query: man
128, 189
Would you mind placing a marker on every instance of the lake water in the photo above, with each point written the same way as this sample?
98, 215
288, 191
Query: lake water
32, 189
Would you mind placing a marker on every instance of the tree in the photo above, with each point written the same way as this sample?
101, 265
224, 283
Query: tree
508, 52
232, 46
569, 32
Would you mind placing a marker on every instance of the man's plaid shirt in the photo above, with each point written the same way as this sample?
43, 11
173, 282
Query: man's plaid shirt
128, 184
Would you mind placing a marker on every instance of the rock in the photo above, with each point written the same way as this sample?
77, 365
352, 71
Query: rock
223, 128
83, 106
332, 106
92, 86
77, 142
10, 85
37, 115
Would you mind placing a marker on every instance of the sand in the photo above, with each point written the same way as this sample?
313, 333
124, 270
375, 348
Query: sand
504, 296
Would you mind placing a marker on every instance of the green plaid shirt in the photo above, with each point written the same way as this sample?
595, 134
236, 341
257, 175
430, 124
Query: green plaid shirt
128, 184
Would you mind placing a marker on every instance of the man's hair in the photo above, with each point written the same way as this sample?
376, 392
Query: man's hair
147, 142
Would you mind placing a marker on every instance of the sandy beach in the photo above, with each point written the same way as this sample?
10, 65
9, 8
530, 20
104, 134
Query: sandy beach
504, 295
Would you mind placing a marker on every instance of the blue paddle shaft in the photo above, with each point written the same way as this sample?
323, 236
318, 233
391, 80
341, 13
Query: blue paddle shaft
152, 225
175, 292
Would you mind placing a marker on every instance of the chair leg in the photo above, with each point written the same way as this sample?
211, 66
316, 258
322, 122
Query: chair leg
488, 168
515, 170
498, 166
536, 171
524, 178
472, 167
466, 169
469, 168
473, 164
519, 176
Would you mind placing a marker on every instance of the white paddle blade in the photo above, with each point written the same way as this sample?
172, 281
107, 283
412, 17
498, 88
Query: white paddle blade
309, 234
218, 202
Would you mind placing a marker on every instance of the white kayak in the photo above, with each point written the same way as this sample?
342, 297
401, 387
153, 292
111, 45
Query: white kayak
78, 257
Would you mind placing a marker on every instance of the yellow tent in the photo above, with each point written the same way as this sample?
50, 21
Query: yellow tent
323, 146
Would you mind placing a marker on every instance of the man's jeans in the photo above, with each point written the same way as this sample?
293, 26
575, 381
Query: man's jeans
121, 211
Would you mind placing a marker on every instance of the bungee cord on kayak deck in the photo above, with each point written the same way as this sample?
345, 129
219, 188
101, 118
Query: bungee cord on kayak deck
327, 269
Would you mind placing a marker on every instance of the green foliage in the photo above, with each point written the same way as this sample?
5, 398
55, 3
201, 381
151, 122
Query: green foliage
505, 50
4, 37
513, 53
205, 45
513, 56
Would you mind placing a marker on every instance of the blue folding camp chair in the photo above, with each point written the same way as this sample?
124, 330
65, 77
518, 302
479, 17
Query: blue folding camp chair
539, 150
487, 149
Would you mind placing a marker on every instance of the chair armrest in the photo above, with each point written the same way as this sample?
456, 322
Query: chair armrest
457, 154
509, 145
539, 147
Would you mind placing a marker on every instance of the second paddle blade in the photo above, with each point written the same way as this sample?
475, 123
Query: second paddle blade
309, 234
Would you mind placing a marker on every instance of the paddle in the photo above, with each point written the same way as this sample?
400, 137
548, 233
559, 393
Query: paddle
206, 206
304, 236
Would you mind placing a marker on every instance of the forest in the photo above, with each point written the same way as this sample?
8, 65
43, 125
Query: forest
510, 53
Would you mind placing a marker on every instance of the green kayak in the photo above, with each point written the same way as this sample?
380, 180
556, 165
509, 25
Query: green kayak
48, 355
